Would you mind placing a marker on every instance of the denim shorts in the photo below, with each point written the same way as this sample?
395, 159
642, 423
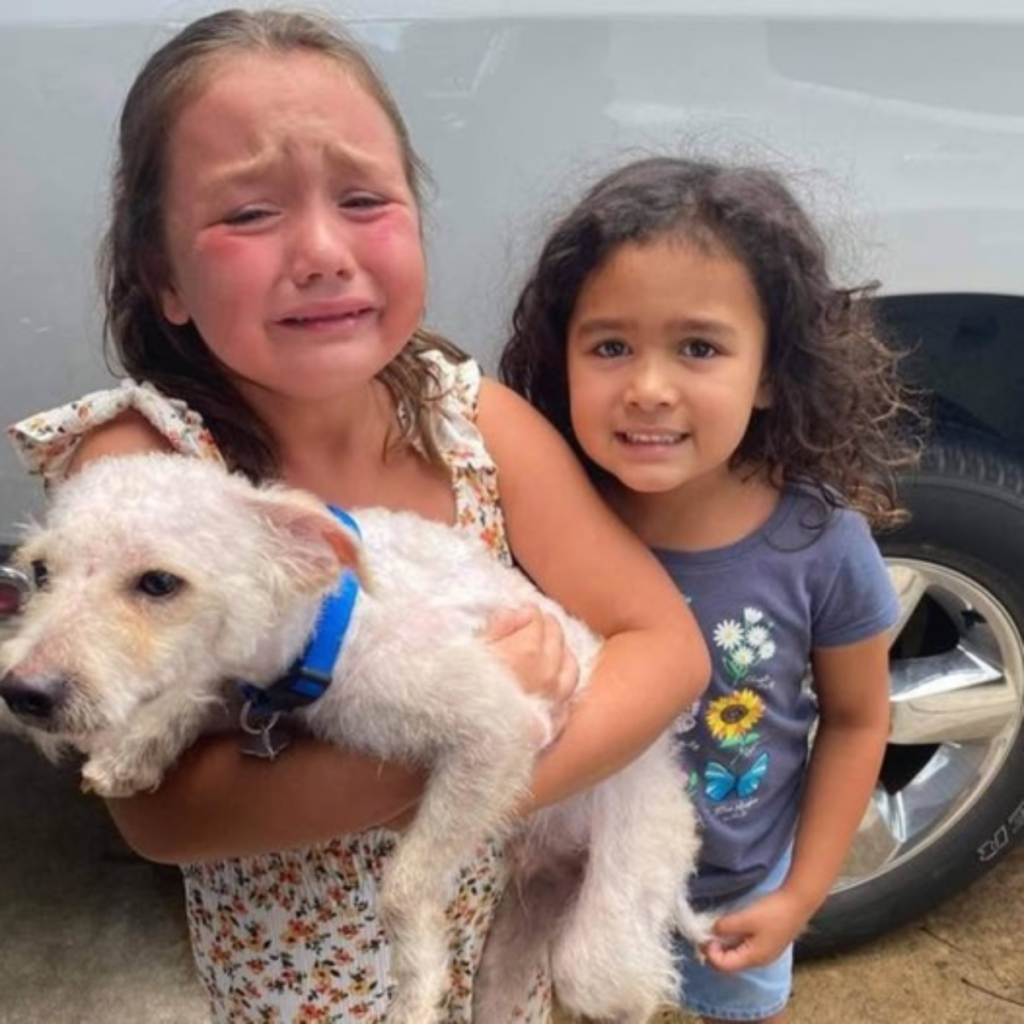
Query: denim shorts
753, 994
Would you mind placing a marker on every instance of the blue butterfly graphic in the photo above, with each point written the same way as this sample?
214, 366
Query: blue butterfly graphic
719, 782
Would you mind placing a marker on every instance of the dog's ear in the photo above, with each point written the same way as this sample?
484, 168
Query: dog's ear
306, 542
349, 550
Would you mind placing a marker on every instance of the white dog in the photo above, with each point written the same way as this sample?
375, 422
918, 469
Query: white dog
159, 578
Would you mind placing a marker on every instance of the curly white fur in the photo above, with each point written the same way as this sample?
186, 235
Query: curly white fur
134, 679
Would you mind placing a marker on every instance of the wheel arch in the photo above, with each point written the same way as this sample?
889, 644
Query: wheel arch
966, 350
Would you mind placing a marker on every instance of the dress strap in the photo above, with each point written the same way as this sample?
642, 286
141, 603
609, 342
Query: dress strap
46, 441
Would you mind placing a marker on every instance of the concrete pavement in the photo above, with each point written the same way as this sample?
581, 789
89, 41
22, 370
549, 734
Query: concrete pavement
92, 935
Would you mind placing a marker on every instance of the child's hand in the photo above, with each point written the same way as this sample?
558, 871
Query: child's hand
533, 645
756, 934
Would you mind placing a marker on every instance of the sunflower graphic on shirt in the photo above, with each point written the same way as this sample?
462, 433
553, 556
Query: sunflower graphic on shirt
731, 719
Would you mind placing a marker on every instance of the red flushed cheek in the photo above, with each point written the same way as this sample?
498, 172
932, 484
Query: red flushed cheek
219, 243
394, 256
224, 263
400, 231
221, 277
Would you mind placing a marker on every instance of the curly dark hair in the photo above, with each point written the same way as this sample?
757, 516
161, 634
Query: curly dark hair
840, 418
133, 260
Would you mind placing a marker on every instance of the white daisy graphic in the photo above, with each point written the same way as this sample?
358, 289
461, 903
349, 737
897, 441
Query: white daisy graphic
728, 634
745, 644
757, 636
743, 657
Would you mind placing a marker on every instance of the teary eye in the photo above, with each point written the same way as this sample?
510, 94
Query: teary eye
158, 583
40, 574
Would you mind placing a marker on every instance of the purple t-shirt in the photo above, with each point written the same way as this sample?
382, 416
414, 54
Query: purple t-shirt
810, 577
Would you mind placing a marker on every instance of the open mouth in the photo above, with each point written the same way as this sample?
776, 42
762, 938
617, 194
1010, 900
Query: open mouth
651, 439
314, 321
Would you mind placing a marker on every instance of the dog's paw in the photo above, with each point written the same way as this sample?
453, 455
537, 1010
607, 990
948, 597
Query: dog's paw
98, 779
112, 777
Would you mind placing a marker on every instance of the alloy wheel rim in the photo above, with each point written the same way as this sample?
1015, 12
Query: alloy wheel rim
956, 714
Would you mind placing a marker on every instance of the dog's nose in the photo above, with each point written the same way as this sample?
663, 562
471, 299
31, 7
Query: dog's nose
31, 700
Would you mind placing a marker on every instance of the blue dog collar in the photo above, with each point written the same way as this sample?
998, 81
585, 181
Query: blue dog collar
310, 676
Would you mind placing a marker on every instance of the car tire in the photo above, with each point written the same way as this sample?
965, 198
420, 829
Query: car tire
950, 799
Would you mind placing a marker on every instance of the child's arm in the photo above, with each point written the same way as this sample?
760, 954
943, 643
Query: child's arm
219, 802
852, 684
654, 662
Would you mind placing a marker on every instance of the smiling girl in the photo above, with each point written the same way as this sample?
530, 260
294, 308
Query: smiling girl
739, 412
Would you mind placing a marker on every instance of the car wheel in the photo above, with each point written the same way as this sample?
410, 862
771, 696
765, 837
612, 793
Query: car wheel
950, 798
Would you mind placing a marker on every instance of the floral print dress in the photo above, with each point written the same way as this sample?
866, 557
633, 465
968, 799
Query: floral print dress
295, 937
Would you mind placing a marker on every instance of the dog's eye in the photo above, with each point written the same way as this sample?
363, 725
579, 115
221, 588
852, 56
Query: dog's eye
157, 583
40, 574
